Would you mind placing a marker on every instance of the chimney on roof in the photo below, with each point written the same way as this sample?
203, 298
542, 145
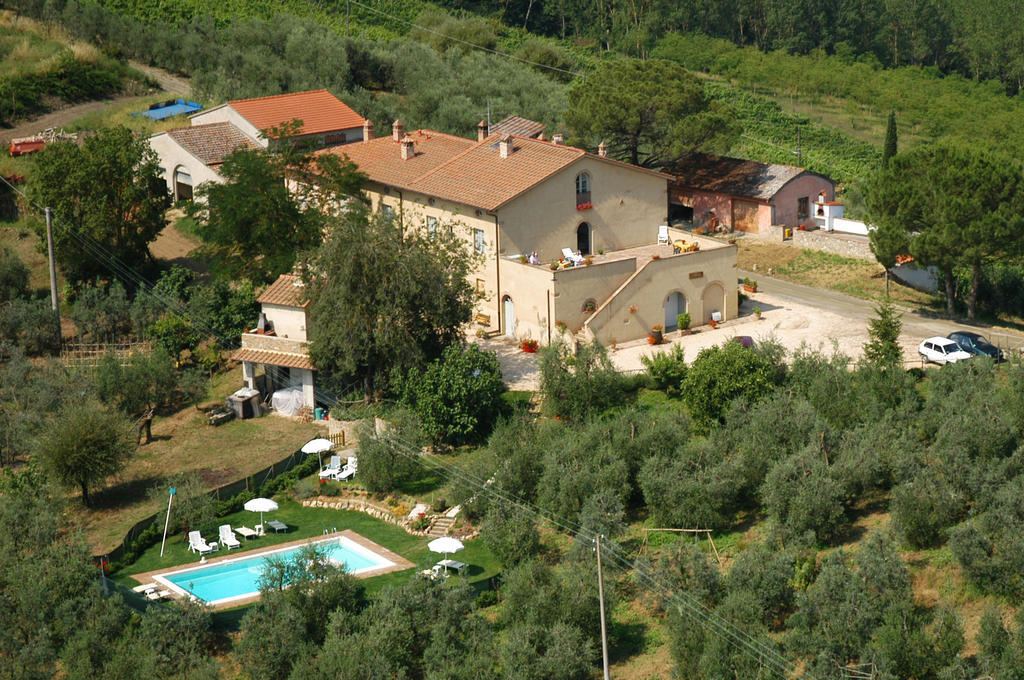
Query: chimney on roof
397, 131
505, 146
367, 130
481, 131
408, 148
558, 138
602, 150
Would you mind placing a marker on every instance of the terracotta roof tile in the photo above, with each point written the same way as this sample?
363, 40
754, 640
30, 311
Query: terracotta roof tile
285, 292
516, 125
734, 176
381, 158
319, 111
462, 170
263, 356
212, 142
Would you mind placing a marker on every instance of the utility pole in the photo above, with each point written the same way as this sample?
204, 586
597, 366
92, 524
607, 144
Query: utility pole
348, 18
600, 595
167, 521
54, 302
799, 150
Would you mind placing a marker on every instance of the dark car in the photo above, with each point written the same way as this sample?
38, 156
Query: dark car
976, 344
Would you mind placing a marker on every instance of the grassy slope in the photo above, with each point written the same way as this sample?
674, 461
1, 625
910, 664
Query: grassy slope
185, 442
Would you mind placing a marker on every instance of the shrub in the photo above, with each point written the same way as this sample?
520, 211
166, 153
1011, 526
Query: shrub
13, 275
723, 373
457, 397
667, 370
683, 321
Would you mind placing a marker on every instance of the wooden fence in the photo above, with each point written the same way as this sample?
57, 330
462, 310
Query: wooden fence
88, 354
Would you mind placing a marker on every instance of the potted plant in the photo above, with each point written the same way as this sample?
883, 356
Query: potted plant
561, 326
750, 285
757, 312
683, 321
633, 309
587, 261
589, 306
655, 257
657, 334
713, 323
529, 346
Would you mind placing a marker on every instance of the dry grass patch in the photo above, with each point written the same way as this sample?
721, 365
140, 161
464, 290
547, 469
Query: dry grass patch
853, 276
184, 442
25, 244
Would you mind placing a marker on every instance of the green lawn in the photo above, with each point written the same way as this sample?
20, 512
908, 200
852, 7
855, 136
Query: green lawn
311, 523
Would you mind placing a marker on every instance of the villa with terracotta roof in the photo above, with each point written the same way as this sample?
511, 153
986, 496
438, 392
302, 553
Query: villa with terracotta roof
515, 196
736, 193
275, 354
192, 155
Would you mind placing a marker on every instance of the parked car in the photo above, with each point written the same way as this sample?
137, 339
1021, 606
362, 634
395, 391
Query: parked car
942, 351
976, 344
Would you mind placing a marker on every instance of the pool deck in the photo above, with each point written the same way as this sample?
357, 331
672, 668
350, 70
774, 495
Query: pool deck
400, 563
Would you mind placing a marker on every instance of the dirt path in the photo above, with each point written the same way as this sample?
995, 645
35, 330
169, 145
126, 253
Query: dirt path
168, 81
171, 84
59, 118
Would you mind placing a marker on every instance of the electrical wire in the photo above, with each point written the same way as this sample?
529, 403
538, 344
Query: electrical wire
687, 605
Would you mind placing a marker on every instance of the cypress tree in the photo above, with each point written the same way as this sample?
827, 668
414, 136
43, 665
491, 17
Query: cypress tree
889, 149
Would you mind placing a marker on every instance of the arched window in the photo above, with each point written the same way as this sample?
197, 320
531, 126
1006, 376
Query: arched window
582, 188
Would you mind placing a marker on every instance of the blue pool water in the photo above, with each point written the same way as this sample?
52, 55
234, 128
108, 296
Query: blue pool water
238, 578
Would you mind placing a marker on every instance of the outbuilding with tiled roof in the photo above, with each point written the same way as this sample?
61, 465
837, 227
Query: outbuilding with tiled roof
190, 156
734, 193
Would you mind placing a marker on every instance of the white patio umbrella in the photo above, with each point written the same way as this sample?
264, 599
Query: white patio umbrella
317, 446
260, 505
445, 545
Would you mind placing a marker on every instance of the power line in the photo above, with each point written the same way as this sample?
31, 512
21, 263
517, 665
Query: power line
686, 604
464, 42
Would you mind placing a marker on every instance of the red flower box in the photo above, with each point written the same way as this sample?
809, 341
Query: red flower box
584, 206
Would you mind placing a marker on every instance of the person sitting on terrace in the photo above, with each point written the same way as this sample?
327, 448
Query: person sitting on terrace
533, 258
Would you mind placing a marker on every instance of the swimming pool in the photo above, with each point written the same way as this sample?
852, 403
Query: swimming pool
238, 578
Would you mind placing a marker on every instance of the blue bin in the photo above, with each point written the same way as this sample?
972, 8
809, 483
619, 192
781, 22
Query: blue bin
318, 413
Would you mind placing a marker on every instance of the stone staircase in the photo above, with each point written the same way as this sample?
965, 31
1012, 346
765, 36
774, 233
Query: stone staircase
440, 526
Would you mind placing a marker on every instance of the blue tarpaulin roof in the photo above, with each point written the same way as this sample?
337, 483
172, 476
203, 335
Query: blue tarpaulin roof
171, 108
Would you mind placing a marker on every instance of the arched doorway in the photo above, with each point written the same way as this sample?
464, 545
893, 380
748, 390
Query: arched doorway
714, 301
675, 305
182, 184
509, 316
583, 238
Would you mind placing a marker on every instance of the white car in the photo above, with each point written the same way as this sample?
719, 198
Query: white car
940, 350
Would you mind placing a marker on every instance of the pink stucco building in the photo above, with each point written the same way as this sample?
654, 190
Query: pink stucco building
742, 194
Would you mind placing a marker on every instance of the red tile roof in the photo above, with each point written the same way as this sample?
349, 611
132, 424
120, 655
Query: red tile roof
285, 292
465, 171
211, 142
734, 176
264, 356
517, 125
319, 111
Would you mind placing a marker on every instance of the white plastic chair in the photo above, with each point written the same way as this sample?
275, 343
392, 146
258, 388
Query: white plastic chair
663, 235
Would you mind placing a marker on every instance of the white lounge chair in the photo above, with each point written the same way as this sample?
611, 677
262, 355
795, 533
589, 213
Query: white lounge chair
663, 235
197, 544
571, 256
227, 537
350, 469
333, 468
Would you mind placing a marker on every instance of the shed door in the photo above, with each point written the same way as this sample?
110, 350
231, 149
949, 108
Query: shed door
744, 215
182, 185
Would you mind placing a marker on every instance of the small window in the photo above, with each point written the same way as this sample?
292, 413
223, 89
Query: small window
479, 244
432, 227
802, 207
582, 188
387, 210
